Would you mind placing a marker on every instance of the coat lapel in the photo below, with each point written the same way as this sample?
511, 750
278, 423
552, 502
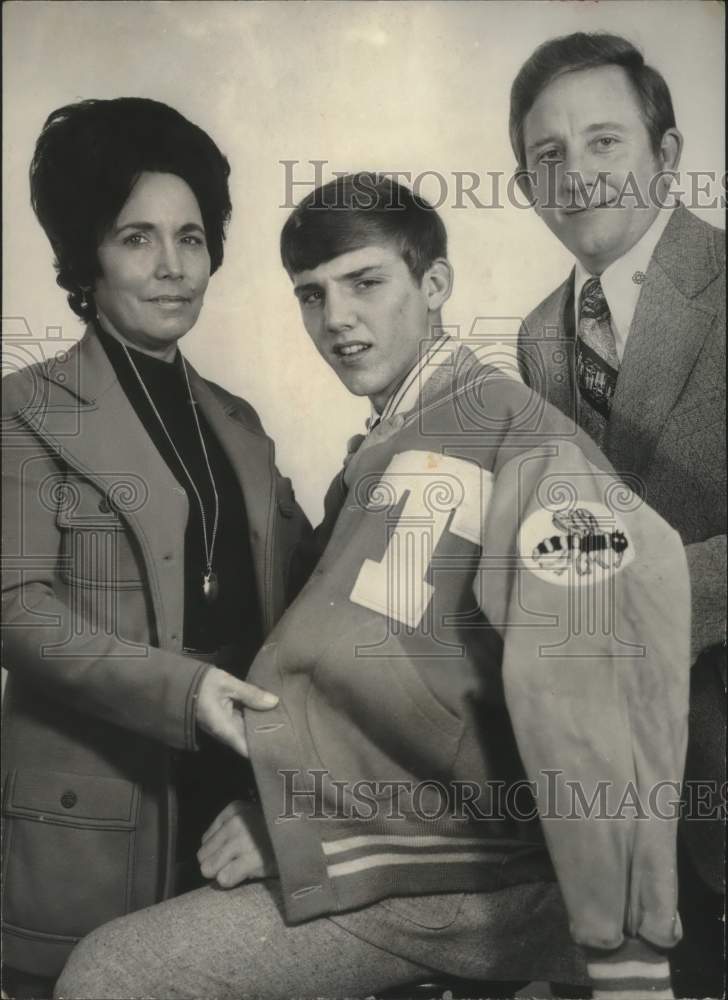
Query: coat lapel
667, 333
87, 419
251, 455
558, 355
549, 347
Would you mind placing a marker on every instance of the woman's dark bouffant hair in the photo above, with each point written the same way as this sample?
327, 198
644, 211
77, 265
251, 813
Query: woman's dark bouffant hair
87, 160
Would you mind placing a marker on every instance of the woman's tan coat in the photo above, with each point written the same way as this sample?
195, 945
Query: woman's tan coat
100, 693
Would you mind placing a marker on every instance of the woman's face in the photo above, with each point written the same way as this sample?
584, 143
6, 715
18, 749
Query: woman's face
154, 266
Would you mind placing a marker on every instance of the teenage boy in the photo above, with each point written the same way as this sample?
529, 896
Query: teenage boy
494, 615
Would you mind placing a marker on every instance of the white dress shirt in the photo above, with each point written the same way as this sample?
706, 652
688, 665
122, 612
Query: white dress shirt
622, 280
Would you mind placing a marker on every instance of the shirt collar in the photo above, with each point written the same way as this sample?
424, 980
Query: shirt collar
622, 280
407, 392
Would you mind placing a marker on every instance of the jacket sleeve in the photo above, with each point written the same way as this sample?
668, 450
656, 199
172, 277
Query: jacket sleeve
589, 589
51, 644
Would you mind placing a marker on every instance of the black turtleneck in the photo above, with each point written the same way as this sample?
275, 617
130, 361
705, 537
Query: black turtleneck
234, 617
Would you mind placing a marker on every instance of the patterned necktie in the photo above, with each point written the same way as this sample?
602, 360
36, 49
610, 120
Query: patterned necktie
597, 361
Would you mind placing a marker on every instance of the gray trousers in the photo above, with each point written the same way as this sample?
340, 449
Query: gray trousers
233, 944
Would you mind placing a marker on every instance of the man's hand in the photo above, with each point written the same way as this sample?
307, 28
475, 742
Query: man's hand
219, 707
360, 443
236, 847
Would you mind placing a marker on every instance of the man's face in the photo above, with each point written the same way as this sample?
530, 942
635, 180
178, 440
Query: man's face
367, 316
586, 144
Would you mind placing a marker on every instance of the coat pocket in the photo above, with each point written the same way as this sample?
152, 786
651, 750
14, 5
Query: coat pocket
431, 912
371, 716
67, 851
97, 551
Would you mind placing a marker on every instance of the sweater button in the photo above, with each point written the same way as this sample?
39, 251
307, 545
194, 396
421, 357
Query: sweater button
69, 800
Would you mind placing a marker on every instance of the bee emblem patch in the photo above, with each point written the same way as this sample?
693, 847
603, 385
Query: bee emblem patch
582, 545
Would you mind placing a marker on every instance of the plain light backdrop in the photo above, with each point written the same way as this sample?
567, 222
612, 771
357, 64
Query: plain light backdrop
414, 86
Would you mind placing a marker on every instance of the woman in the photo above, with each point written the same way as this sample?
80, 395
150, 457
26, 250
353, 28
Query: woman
148, 537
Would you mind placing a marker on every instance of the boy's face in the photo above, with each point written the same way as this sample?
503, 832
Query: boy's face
367, 316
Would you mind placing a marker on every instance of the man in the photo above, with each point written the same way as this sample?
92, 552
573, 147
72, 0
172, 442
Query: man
432, 663
632, 346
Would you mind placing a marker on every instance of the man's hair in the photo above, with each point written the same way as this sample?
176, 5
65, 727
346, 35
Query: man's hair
359, 210
587, 51
87, 160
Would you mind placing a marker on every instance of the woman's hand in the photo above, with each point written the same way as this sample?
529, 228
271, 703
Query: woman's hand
236, 847
219, 710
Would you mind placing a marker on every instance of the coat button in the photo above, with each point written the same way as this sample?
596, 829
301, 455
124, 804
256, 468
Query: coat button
287, 508
69, 800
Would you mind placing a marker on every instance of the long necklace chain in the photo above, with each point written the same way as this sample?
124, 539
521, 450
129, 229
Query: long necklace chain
210, 579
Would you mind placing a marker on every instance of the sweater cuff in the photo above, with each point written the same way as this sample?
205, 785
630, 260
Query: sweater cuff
635, 971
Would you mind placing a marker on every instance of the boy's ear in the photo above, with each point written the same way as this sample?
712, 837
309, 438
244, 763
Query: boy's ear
437, 283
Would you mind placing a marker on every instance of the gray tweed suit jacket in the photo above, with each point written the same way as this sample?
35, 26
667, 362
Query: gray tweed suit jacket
666, 438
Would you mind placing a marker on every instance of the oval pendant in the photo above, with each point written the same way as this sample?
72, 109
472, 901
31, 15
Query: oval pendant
209, 587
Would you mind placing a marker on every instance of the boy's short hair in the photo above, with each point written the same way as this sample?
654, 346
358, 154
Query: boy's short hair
359, 210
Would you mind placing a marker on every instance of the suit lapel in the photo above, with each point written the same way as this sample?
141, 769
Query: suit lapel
667, 333
558, 355
549, 346
251, 455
